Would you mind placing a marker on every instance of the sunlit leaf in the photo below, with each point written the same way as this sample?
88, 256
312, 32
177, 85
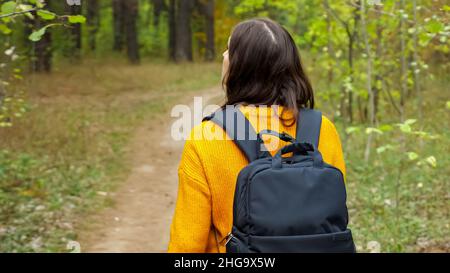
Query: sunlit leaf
410, 121
46, 15
8, 7
37, 3
435, 26
412, 156
5, 29
371, 130
37, 35
432, 161
77, 19
385, 148
351, 130
386, 128
24, 7
405, 128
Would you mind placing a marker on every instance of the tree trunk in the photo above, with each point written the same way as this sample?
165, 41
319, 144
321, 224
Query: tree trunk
119, 24
330, 51
93, 22
158, 7
207, 8
210, 53
172, 30
76, 30
378, 56
404, 66
351, 37
369, 79
131, 15
41, 51
183, 45
350, 65
352, 42
417, 86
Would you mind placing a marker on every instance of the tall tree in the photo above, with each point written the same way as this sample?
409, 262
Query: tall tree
76, 30
93, 21
369, 68
415, 48
158, 7
351, 29
131, 15
207, 8
119, 8
41, 52
172, 29
404, 64
377, 59
183, 44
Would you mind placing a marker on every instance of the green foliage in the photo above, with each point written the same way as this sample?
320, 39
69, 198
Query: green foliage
399, 198
8, 7
75, 19
46, 15
34, 205
12, 103
36, 36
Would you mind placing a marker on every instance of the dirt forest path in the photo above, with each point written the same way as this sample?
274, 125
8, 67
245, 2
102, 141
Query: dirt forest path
139, 220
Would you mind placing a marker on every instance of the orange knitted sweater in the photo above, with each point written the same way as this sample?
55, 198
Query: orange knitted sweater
207, 178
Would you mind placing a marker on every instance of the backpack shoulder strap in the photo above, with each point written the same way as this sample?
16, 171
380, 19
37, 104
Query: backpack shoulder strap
233, 121
308, 126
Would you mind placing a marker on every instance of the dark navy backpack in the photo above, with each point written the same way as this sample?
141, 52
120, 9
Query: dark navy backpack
282, 204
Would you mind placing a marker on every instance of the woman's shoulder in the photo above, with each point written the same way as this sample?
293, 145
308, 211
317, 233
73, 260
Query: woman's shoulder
327, 124
207, 131
204, 136
328, 128
329, 136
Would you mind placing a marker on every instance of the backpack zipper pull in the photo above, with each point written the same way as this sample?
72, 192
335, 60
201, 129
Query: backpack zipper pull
229, 237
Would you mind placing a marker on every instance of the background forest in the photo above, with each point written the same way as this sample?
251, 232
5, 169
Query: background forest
77, 78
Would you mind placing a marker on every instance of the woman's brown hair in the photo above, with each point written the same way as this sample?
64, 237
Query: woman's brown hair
265, 68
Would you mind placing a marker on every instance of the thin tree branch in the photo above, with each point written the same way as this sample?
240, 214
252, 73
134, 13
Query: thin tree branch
377, 11
391, 98
369, 79
17, 13
334, 14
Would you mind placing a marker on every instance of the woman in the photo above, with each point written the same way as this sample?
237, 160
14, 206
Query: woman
261, 67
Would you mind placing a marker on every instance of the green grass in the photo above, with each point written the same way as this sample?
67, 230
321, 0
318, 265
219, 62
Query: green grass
70, 146
392, 200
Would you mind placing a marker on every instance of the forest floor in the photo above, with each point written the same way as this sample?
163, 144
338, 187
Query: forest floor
90, 156
140, 219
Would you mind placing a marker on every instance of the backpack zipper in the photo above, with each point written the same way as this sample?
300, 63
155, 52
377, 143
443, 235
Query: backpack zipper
228, 238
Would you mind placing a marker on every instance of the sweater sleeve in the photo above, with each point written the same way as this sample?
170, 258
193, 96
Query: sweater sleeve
332, 148
192, 219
